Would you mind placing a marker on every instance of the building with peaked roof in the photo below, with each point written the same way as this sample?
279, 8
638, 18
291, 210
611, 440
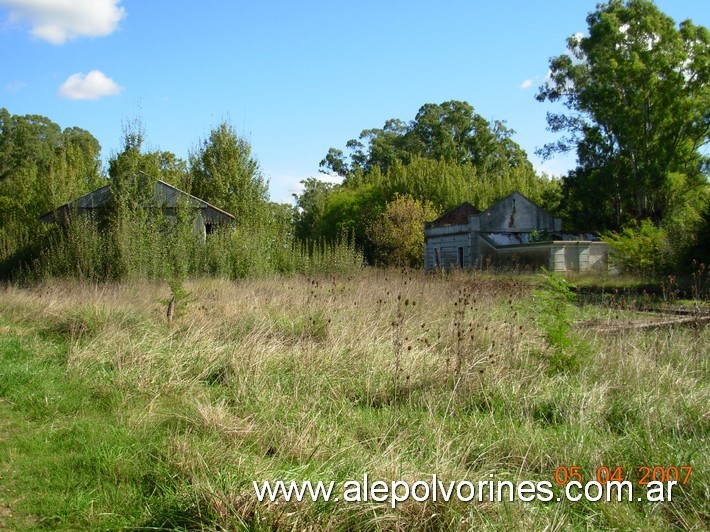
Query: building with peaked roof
513, 232
166, 197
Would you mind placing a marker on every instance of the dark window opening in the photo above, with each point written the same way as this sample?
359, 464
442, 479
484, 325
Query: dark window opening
460, 257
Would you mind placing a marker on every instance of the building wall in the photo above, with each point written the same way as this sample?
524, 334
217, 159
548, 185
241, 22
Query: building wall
528, 255
453, 246
599, 257
568, 258
580, 256
516, 213
555, 256
558, 256
450, 249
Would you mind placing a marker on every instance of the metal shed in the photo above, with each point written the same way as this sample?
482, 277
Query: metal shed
165, 197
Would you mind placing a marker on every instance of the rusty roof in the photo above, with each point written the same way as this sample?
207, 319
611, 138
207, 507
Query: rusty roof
459, 215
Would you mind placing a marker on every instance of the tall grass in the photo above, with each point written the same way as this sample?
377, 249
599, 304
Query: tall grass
394, 374
155, 247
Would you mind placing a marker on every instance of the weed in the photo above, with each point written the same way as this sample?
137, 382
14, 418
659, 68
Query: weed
553, 307
398, 346
700, 282
669, 289
176, 304
145, 427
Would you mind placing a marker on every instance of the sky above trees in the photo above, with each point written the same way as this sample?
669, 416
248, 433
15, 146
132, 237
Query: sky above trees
295, 78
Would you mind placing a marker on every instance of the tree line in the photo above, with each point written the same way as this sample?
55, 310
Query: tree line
637, 114
44, 167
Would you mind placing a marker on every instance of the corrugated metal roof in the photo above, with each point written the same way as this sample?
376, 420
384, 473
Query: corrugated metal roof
507, 239
513, 239
168, 196
165, 196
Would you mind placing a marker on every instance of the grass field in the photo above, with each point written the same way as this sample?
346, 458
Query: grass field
113, 418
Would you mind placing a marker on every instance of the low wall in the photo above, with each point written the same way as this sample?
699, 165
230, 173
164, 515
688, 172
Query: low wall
578, 256
557, 256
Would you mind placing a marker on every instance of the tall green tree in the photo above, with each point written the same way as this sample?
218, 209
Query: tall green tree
134, 173
450, 132
638, 112
311, 207
42, 166
224, 172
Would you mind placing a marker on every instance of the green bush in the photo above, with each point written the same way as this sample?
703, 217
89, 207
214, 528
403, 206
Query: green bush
641, 249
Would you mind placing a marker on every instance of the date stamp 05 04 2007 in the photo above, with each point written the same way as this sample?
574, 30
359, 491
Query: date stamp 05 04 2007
645, 474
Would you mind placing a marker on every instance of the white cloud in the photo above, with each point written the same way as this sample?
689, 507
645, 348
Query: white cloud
57, 21
91, 86
526, 84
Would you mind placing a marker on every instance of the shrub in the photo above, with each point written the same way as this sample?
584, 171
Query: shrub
158, 248
398, 232
640, 248
554, 315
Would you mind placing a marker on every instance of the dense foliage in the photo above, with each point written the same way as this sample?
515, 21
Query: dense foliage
41, 167
638, 99
223, 172
451, 132
446, 155
637, 114
130, 238
397, 232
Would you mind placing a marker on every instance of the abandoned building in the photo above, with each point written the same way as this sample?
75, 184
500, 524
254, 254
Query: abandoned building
512, 233
166, 197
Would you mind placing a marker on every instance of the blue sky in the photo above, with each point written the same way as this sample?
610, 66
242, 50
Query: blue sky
294, 78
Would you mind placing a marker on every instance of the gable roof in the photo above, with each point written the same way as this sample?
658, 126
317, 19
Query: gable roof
515, 195
165, 195
459, 215
515, 213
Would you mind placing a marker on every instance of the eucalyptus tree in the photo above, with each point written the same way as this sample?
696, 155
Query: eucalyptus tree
42, 166
637, 104
450, 132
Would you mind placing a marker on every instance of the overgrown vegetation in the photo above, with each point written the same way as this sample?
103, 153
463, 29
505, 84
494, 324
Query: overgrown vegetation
111, 418
641, 249
142, 388
158, 249
132, 238
636, 87
446, 155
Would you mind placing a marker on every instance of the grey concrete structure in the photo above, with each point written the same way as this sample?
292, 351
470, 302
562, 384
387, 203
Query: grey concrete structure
513, 232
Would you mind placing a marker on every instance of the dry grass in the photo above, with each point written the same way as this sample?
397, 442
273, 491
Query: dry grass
390, 373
